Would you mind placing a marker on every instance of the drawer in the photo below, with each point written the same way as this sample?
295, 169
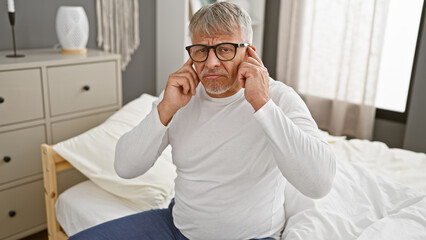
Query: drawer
21, 96
81, 87
20, 153
27, 204
70, 128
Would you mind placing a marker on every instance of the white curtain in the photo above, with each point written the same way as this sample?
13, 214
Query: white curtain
329, 52
118, 27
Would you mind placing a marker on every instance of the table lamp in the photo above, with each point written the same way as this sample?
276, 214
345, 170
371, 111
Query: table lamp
72, 29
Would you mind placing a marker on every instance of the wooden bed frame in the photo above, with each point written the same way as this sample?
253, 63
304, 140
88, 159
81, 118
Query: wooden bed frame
52, 164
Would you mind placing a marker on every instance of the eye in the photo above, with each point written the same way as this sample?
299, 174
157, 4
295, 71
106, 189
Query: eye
197, 49
225, 49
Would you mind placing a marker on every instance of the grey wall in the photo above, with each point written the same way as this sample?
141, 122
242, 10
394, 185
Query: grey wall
35, 28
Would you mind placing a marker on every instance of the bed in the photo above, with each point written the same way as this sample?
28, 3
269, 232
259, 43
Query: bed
378, 193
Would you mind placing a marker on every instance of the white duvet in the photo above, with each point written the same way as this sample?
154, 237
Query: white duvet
363, 204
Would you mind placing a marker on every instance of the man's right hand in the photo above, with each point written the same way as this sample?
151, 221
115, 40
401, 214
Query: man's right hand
180, 88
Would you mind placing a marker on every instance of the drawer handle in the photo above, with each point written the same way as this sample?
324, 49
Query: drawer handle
12, 213
1, 100
7, 158
86, 88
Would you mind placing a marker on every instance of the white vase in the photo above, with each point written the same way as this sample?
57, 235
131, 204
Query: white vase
72, 29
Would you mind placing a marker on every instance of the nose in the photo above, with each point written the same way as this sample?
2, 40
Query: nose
212, 61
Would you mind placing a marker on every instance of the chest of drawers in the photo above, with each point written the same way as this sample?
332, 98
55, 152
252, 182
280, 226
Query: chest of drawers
46, 97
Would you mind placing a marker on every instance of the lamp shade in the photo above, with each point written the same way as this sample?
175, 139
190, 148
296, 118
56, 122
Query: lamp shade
72, 28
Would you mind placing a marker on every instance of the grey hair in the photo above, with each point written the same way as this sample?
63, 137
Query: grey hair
221, 18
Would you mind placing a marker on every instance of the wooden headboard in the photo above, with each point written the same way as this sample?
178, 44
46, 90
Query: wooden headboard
52, 164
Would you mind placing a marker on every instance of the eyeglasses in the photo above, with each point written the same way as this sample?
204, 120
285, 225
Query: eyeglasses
223, 51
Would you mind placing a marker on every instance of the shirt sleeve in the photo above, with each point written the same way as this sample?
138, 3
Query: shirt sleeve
136, 151
301, 153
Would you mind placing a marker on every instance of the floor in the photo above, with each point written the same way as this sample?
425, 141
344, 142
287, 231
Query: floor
37, 236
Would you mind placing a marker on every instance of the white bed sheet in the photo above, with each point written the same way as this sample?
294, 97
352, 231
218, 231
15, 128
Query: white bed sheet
85, 205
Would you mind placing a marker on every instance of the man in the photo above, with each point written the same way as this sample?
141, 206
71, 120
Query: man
237, 138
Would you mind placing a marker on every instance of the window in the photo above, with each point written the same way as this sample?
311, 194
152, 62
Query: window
398, 54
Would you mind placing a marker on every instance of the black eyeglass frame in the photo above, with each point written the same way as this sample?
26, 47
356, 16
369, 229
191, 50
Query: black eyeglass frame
236, 45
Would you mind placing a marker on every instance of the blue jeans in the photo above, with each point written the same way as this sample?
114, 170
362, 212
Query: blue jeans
154, 224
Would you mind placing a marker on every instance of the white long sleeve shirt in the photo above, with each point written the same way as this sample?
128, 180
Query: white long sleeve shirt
233, 163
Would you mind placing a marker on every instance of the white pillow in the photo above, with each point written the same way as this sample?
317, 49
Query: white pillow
92, 153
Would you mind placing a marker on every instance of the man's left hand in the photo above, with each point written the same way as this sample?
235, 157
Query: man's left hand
254, 77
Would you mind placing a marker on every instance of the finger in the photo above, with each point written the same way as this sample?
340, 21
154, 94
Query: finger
253, 61
242, 76
252, 67
184, 84
181, 82
189, 62
190, 78
249, 64
195, 77
188, 67
196, 82
248, 71
254, 55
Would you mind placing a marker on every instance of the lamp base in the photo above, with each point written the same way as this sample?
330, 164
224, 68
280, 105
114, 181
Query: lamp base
74, 51
15, 55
